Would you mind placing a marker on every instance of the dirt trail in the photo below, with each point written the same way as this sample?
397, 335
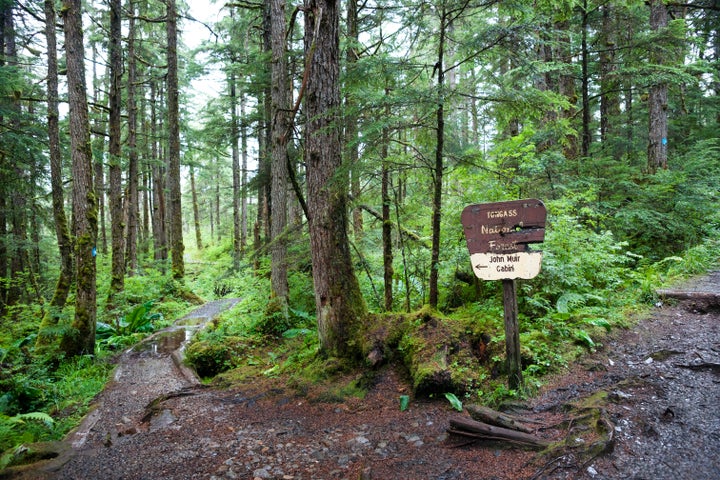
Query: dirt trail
655, 383
152, 369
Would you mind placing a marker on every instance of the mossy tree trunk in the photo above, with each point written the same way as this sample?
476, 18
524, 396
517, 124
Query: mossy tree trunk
62, 231
196, 209
234, 147
81, 339
158, 184
338, 300
438, 170
173, 117
117, 221
133, 177
279, 138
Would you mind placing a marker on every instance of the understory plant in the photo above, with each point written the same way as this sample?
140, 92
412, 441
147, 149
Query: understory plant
127, 329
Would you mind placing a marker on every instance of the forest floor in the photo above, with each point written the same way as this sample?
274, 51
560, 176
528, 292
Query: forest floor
654, 388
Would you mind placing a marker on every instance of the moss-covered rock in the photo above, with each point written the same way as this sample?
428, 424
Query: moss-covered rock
437, 351
210, 358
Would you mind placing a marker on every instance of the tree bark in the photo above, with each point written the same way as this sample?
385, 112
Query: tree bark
158, 186
487, 415
658, 97
243, 179
586, 113
196, 209
351, 117
62, 230
5, 11
339, 303
279, 137
133, 200
81, 339
388, 272
18, 213
173, 109
609, 83
474, 429
438, 170
235, 139
99, 154
117, 228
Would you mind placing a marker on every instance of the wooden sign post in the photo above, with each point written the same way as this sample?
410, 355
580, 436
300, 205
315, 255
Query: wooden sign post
497, 236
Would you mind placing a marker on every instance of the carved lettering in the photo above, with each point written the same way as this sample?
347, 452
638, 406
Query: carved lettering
493, 229
502, 213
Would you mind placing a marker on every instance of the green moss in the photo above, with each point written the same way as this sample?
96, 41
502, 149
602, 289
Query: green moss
210, 358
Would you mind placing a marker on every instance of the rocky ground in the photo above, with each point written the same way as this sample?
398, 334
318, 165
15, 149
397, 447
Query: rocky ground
653, 391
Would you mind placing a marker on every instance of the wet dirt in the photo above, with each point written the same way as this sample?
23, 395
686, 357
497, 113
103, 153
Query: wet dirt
656, 383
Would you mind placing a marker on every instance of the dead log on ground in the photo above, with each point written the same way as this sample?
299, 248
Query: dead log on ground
711, 297
713, 367
482, 431
493, 417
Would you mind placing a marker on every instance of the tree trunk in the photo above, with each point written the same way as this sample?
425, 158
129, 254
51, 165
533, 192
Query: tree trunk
586, 113
62, 231
439, 166
117, 228
17, 246
217, 198
173, 109
158, 187
388, 272
279, 136
338, 300
133, 200
196, 209
609, 83
5, 11
351, 117
243, 179
235, 139
81, 339
98, 154
658, 97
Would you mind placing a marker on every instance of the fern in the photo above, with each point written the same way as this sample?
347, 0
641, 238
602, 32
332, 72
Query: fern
568, 301
36, 416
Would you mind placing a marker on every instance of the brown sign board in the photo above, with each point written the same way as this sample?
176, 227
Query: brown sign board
504, 227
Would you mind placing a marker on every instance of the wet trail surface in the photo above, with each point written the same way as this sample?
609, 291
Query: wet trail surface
662, 380
151, 370
658, 385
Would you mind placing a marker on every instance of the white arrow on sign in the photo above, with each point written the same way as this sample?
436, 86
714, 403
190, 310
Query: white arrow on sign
499, 266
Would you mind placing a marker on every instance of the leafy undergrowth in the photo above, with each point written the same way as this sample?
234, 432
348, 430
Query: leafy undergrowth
564, 314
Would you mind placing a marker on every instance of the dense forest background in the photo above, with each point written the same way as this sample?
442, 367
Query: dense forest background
322, 174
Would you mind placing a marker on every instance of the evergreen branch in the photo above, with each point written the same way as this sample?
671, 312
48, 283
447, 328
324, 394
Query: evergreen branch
243, 4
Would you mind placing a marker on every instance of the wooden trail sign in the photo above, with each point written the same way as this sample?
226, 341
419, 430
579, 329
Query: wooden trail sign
497, 236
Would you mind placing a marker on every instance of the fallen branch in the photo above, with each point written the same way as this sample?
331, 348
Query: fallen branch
482, 431
714, 367
493, 417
